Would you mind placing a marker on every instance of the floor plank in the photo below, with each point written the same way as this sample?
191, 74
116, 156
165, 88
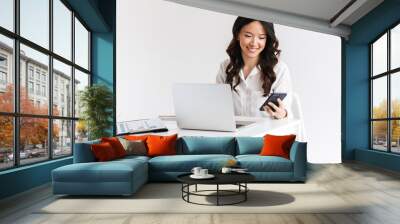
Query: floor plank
376, 189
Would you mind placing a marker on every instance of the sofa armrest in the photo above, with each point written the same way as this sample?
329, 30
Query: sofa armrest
298, 155
83, 152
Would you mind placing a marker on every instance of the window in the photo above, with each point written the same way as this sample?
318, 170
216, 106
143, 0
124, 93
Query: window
37, 75
62, 137
81, 81
45, 131
3, 61
385, 91
44, 91
6, 142
62, 75
30, 72
35, 21
3, 78
7, 14
81, 45
6, 73
62, 29
30, 87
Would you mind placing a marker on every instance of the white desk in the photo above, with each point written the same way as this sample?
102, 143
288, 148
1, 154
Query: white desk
260, 127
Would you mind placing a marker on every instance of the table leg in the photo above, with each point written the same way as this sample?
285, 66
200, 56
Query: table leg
196, 188
245, 191
217, 194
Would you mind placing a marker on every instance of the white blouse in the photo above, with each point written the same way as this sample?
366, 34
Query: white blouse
248, 97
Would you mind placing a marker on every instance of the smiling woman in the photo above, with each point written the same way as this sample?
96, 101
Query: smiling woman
253, 69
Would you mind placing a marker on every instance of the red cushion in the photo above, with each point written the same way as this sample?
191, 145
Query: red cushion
116, 145
161, 145
136, 137
103, 152
277, 145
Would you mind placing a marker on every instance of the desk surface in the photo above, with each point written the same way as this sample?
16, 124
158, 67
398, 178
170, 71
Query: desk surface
260, 127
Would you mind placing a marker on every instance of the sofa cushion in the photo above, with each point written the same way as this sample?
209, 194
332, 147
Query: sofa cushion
249, 145
111, 171
185, 163
116, 145
257, 163
277, 145
195, 145
103, 152
159, 145
134, 147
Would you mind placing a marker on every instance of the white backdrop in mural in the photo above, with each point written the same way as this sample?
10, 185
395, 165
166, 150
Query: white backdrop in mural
160, 43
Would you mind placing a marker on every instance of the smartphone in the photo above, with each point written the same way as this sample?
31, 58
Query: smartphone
273, 98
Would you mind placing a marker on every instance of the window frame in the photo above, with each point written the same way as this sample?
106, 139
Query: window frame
15, 72
388, 74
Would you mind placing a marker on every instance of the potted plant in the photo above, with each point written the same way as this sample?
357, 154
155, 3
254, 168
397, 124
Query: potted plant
96, 102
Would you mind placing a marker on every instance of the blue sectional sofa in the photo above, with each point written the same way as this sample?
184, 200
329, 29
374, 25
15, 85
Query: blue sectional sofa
125, 176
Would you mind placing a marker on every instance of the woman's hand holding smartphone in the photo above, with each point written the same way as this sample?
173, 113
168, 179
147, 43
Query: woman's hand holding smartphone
274, 105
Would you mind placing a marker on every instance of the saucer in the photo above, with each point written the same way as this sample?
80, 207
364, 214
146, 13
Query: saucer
208, 176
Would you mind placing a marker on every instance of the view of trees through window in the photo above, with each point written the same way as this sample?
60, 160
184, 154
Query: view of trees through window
385, 87
32, 130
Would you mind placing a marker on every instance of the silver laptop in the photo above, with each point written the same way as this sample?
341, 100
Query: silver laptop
204, 107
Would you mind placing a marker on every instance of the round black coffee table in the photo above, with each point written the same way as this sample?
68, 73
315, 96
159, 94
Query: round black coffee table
238, 179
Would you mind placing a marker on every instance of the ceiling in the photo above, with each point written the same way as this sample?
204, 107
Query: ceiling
327, 16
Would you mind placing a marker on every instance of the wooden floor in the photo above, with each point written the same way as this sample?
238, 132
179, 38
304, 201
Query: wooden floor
377, 188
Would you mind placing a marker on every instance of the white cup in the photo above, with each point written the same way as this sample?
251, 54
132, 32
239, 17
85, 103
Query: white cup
203, 172
196, 171
226, 170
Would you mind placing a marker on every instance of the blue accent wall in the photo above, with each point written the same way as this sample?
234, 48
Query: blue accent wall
355, 126
100, 17
102, 58
103, 51
24, 178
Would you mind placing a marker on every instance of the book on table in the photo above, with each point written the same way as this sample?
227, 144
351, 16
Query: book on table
140, 126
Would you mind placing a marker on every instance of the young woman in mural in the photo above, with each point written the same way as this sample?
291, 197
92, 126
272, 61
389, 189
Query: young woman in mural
254, 70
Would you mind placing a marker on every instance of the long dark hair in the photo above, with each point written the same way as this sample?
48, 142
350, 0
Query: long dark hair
268, 58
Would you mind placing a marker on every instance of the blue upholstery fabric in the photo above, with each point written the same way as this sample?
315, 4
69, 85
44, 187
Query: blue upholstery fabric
184, 163
126, 175
298, 155
257, 163
194, 145
249, 145
83, 152
123, 177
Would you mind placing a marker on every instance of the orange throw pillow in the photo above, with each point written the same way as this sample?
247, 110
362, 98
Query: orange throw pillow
277, 145
116, 145
161, 145
103, 152
136, 137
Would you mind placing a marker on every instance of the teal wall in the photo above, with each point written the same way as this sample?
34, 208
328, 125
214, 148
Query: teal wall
24, 178
355, 89
99, 15
103, 51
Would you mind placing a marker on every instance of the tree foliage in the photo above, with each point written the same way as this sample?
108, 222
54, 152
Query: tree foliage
96, 102
33, 131
380, 127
